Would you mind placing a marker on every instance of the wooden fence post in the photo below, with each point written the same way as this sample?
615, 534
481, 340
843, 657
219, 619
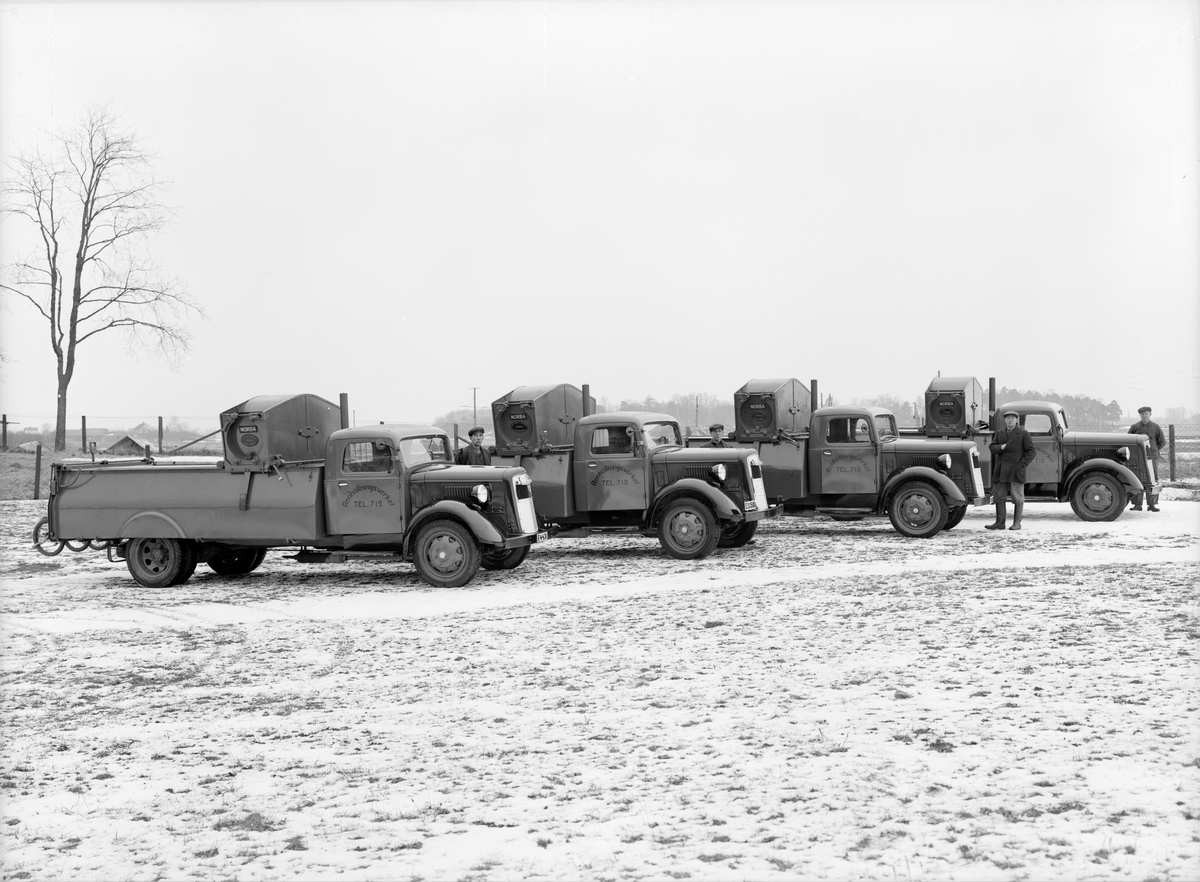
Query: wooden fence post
37, 472
4, 431
160, 436
1171, 449
83, 433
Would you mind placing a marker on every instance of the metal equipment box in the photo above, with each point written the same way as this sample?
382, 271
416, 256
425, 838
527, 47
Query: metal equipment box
764, 408
293, 428
530, 417
953, 405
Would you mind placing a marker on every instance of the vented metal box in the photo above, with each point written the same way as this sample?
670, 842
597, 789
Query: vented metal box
530, 416
953, 405
291, 427
764, 408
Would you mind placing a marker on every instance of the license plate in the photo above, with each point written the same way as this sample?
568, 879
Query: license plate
544, 536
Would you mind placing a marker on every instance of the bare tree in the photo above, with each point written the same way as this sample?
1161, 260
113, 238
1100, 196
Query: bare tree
93, 204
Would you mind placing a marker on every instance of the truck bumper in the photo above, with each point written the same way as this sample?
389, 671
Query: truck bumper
526, 539
770, 512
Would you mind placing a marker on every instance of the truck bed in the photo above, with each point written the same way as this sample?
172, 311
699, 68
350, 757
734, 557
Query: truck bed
187, 498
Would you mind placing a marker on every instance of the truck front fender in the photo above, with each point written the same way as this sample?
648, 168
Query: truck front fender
484, 530
928, 475
722, 505
151, 525
1128, 478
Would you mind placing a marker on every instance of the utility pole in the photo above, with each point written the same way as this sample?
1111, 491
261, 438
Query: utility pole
474, 406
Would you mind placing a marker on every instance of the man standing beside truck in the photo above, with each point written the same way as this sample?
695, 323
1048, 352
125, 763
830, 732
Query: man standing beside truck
715, 431
1012, 450
1153, 431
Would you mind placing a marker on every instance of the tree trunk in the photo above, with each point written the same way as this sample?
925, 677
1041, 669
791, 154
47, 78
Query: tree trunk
60, 424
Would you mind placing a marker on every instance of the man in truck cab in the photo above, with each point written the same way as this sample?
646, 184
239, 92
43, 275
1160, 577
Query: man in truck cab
473, 453
1012, 449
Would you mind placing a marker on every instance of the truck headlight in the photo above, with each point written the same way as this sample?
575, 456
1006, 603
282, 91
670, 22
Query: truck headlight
945, 461
718, 472
481, 494
1123, 454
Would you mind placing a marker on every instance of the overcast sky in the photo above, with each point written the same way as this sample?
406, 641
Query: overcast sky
402, 201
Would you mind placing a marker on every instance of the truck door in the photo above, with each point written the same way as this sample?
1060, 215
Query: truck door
614, 470
1046, 467
843, 457
362, 493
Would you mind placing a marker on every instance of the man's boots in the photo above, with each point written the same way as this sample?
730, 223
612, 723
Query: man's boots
1001, 514
1018, 508
1137, 502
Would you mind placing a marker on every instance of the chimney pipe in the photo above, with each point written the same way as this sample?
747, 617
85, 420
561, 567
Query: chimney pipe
587, 399
344, 401
815, 398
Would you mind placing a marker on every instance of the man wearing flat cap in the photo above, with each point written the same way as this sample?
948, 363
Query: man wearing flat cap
715, 431
1153, 431
473, 453
1012, 449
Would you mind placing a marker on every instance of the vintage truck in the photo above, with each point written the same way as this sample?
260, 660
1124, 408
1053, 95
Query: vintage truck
1094, 471
849, 462
292, 476
626, 472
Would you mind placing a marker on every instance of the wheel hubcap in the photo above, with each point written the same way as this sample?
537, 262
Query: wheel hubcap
918, 510
445, 554
1098, 498
686, 529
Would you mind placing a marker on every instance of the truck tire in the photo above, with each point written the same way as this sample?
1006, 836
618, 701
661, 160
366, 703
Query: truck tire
157, 563
957, 513
918, 510
236, 561
191, 558
1098, 497
509, 559
446, 554
737, 535
688, 530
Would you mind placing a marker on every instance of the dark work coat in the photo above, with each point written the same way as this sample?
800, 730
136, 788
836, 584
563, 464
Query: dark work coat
711, 443
1153, 431
468, 456
1011, 452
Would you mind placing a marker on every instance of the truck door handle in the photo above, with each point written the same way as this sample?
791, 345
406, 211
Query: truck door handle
826, 453
591, 465
343, 484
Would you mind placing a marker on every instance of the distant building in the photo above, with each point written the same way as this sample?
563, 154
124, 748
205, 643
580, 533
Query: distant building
128, 445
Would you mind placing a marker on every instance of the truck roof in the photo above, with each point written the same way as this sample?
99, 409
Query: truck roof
1029, 405
858, 409
395, 430
640, 416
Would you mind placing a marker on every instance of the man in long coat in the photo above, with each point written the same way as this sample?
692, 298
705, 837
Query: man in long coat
1153, 431
1012, 449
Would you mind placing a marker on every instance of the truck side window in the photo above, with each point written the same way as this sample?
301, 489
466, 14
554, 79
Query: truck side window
366, 456
838, 431
611, 439
862, 430
1039, 424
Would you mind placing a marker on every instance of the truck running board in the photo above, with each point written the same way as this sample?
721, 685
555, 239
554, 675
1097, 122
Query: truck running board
307, 556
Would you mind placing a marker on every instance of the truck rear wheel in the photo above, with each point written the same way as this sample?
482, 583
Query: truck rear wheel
1098, 497
918, 510
235, 561
688, 530
509, 559
157, 563
737, 535
446, 554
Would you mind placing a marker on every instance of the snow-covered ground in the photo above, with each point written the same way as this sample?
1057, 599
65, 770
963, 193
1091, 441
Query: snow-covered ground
829, 702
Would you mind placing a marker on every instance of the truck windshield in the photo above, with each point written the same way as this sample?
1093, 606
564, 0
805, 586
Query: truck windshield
885, 425
425, 448
662, 435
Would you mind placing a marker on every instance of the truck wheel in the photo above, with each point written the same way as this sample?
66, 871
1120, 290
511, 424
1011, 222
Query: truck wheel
688, 530
41, 539
446, 554
234, 561
1098, 497
957, 513
191, 557
157, 563
917, 510
508, 559
737, 535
